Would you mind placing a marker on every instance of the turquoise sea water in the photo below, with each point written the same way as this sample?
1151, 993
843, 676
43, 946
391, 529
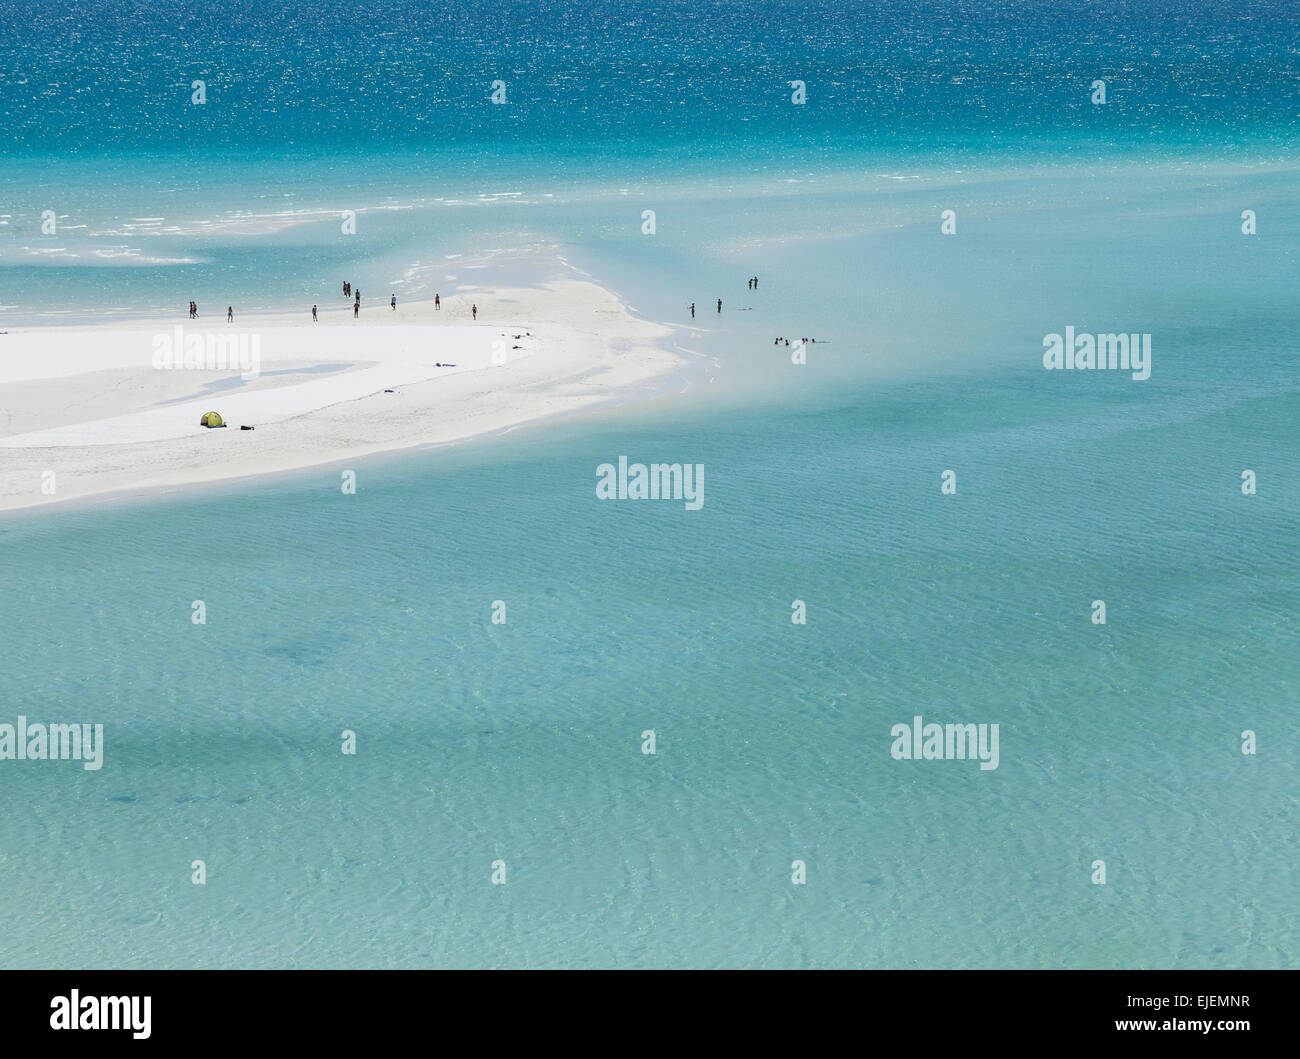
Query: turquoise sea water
522, 742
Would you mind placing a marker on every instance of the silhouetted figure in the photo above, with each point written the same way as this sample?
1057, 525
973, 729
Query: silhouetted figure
437, 302
347, 289
755, 283
692, 310
356, 309
230, 314
393, 303
313, 315
474, 309
719, 305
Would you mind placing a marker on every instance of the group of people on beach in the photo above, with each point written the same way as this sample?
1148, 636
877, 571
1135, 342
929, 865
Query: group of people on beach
348, 292
392, 302
230, 312
805, 341
194, 312
355, 295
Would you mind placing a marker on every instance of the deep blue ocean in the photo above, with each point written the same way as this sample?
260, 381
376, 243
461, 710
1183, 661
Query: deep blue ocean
522, 743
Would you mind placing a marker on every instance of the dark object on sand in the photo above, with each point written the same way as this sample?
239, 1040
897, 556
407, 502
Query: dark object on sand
245, 427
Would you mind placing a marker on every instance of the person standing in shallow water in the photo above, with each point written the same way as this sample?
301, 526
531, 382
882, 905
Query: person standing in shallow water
230, 314
437, 302
474, 309
719, 305
692, 310
313, 315
393, 303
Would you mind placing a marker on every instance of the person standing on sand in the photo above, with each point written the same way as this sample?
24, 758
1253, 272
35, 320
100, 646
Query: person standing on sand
356, 308
230, 314
437, 302
474, 309
394, 303
313, 315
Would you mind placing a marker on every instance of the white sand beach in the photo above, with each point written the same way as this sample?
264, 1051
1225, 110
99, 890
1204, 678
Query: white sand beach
87, 410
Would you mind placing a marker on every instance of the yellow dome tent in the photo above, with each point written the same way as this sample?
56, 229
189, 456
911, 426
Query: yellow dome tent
212, 419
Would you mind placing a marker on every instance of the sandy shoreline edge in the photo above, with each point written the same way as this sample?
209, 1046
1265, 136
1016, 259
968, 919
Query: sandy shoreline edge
89, 411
